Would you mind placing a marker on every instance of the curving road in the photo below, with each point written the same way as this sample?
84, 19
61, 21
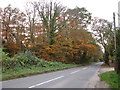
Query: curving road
80, 77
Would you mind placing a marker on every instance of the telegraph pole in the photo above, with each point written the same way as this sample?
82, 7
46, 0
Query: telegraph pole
0, 33
119, 14
114, 29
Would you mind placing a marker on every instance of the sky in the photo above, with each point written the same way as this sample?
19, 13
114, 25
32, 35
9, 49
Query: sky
99, 8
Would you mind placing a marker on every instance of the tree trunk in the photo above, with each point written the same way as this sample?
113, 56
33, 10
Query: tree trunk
106, 57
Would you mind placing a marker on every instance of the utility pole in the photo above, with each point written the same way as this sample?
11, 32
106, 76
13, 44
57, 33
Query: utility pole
0, 33
119, 14
114, 29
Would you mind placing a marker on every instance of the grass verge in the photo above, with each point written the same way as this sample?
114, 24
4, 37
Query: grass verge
48, 66
111, 78
19, 72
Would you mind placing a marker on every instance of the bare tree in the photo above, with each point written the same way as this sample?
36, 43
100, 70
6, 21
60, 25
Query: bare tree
103, 33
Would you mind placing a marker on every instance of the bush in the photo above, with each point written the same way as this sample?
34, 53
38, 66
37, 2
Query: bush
20, 60
6, 62
26, 59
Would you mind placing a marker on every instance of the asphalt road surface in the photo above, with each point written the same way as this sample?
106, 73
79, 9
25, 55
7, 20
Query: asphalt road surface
80, 77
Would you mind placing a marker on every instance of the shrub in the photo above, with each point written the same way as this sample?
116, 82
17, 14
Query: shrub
26, 59
20, 60
6, 62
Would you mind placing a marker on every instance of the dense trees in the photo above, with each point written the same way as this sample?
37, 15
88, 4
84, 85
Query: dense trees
49, 31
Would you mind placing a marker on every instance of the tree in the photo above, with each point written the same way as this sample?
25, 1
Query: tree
77, 21
13, 31
80, 16
31, 13
103, 33
51, 16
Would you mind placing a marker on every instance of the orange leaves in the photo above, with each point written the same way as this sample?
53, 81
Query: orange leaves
70, 51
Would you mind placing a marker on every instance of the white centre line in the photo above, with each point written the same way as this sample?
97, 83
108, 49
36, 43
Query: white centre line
78, 70
45, 82
75, 71
84, 68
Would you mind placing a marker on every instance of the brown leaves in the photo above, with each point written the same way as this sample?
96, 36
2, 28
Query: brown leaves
11, 48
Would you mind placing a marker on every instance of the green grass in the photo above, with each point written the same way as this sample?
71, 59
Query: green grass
19, 72
26, 64
111, 78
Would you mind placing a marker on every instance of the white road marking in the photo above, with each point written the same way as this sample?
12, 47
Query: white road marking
78, 70
45, 82
84, 68
74, 72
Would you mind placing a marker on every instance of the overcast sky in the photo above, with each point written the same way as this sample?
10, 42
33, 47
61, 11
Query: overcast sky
99, 8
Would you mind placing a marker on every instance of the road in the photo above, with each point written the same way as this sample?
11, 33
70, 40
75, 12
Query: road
80, 77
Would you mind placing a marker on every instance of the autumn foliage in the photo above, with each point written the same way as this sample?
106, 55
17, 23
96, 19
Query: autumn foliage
72, 51
52, 33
